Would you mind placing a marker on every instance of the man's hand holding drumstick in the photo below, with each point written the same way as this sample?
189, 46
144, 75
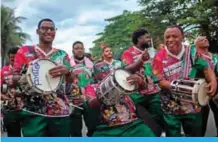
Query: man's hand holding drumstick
139, 63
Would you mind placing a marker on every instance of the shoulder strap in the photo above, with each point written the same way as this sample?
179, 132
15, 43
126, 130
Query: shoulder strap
193, 51
186, 62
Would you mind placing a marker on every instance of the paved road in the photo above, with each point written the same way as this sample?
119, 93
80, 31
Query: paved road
211, 129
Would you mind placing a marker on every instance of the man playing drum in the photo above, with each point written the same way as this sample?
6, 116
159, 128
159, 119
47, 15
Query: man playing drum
171, 63
11, 110
119, 119
150, 97
142, 113
202, 45
82, 68
45, 114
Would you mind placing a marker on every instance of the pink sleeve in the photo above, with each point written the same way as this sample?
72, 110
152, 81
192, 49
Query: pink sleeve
157, 67
19, 60
2, 76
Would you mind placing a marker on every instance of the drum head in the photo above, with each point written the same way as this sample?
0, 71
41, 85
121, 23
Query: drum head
38, 76
120, 77
203, 98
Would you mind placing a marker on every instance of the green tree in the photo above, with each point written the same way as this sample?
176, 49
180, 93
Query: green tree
11, 33
195, 16
118, 32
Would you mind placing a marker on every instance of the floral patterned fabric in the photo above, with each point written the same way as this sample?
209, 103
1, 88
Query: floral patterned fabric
41, 104
83, 72
14, 103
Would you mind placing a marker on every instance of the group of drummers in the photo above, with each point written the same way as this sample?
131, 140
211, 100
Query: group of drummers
46, 93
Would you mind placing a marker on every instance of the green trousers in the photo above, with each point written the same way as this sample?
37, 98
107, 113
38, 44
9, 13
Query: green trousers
12, 122
91, 118
39, 126
152, 105
191, 123
136, 128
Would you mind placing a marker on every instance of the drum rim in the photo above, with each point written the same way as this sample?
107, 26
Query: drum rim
119, 84
36, 88
204, 102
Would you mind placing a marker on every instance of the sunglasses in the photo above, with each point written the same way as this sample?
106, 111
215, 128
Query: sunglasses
44, 28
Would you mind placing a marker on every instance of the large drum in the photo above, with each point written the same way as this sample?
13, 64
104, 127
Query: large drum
190, 90
37, 78
113, 86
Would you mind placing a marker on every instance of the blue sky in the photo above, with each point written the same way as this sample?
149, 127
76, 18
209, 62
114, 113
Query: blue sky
75, 19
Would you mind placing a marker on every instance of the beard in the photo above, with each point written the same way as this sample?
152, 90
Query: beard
79, 58
145, 46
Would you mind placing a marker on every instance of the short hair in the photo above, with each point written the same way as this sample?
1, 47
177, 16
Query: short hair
197, 39
13, 50
43, 20
137, 34
178, 27
103, 49
77, 42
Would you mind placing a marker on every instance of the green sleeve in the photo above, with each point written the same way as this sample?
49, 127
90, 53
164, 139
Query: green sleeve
201, 64
215, 60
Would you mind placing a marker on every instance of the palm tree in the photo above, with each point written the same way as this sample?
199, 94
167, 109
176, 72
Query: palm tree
11, 33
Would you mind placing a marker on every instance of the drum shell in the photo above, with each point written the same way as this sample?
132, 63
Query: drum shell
109, 90
188, 90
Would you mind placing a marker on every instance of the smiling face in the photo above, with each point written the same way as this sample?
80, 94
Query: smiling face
107, 53
46, 32
173, 40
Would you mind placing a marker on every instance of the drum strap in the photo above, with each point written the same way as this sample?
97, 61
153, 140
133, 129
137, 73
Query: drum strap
187, 63
189, 59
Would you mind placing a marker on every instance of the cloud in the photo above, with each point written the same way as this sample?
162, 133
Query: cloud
75, 20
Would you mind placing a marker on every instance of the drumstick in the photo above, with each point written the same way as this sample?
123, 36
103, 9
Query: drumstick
75, 106
47, 78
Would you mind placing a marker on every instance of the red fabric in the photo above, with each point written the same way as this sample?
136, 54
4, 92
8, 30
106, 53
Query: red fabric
130, 55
